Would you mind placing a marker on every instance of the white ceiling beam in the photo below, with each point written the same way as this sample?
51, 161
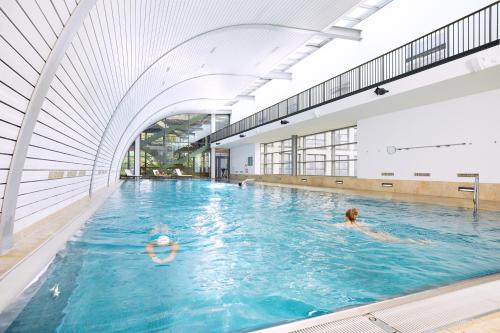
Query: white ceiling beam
277, 75
244, 98
351, 19
368, 7
342, 32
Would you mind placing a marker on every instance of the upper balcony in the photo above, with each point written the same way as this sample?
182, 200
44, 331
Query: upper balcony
465, 36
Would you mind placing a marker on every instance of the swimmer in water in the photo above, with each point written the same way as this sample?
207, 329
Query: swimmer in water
351, 216
244, 183
162, 241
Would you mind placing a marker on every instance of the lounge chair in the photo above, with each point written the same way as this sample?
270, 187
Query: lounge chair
129, 174
158, 174
179, 174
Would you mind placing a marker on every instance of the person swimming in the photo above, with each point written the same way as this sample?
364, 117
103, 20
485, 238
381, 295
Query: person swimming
351, 216
244, 183
162, 241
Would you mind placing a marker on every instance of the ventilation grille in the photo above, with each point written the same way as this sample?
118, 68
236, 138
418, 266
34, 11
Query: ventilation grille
467, 175
387, 174
422, 174
350, 325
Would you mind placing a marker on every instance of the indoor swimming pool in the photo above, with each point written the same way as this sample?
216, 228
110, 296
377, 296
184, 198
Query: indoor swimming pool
248, 258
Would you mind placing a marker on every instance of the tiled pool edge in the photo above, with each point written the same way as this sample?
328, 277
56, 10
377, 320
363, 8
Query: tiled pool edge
413, 198
29, 264
337, 318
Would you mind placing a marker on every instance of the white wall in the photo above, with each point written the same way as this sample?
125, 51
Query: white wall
242, 109
473, 119
239, 159
396, 24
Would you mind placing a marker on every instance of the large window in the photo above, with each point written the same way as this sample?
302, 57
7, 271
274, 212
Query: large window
176, 142
332, 153
277, 158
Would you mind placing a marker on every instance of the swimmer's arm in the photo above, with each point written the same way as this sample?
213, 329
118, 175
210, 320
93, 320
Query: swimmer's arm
150, 251
174, 247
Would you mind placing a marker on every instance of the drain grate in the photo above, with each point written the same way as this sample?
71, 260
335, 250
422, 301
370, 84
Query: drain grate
349, 325
434, 313
380, 323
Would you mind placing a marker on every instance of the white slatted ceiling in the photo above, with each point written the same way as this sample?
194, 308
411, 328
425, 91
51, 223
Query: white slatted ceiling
118, 41
26, 39
28, 31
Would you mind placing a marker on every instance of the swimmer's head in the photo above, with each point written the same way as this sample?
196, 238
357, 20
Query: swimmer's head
240, 184
163, 240
351, 214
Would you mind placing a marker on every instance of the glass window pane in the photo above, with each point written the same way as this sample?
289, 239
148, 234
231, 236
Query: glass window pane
346, 152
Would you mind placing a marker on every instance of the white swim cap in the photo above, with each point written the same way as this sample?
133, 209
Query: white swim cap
163, 240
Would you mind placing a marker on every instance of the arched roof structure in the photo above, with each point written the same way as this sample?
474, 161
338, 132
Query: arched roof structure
79, 80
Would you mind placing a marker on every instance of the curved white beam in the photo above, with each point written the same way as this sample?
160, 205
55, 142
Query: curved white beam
108, 125
122, 151
30, 118
144, 125
268, 26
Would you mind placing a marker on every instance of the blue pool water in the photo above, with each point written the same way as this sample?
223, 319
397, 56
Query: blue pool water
248, 258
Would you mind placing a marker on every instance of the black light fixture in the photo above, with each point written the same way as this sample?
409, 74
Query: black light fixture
217, 143
242, 135
380, 91
284, 122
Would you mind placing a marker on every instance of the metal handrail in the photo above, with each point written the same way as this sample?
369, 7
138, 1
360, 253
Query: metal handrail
472, 33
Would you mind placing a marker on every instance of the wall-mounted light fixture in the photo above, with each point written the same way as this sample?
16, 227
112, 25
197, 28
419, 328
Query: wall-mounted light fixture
284, 122
380, 91
242, 135
339, 182
303, 180
217, 143
465, 189
387, 185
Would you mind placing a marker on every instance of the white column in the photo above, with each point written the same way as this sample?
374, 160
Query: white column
256, 160
137, 156
212, 123
212, 163
212, 150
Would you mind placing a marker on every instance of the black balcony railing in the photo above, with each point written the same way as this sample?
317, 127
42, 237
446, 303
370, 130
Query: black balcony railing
472, 33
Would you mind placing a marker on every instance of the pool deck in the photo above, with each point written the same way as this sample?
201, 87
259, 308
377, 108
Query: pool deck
35, 246
469, 306
426, 199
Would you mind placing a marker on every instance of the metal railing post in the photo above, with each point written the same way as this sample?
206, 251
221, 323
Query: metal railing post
476, 194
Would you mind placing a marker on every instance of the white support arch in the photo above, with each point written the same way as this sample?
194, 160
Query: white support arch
30, 118
91, 188
347, 33
159, 114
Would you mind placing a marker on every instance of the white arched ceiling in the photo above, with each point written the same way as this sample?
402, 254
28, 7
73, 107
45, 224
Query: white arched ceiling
121, 64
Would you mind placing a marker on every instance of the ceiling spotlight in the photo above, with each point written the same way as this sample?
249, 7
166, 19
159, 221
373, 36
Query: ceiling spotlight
242, 135
284, 122
380, 91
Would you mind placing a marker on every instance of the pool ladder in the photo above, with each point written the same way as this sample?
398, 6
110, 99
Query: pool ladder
474, 189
